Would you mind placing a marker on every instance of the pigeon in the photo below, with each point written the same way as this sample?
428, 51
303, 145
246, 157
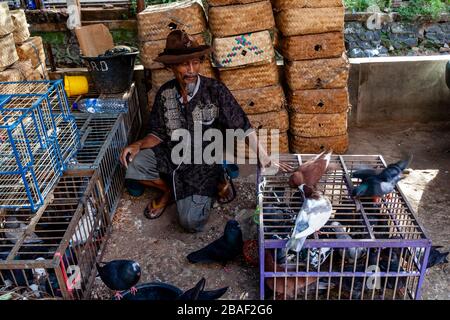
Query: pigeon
313, 215
85, 225
120, 275
351, 253
165, 291
311, 172
394, 266
222, 250
14, 230
287, 286
436, 257
376, 184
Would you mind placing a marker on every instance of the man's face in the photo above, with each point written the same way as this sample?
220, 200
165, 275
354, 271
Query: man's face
187, 72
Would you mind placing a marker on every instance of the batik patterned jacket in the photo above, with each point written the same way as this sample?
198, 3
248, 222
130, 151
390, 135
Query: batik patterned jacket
215, 108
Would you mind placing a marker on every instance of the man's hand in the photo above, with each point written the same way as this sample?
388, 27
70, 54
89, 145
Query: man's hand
131, 151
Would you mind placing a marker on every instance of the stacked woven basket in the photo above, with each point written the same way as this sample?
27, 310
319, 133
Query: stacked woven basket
155, 23
245, 56
316, 73
21, 57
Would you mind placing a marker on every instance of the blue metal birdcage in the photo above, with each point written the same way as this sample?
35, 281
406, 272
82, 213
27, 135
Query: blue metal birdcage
30, 165
49, 99
38, 137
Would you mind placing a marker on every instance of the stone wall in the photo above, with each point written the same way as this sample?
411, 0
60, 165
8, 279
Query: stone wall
394, 38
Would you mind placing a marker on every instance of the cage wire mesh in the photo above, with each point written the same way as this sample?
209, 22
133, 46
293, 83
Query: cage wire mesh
44, 253
103, 137
367, 249
52, 254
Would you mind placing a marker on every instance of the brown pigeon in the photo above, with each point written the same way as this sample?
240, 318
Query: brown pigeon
284, 287
310, 172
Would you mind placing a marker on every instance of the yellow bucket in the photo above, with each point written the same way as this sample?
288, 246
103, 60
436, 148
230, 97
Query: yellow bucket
75, 85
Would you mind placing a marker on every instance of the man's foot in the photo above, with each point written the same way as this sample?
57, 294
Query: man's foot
226, 193
155, 209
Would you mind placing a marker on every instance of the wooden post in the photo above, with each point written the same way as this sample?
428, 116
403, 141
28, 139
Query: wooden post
140, 6
74, 11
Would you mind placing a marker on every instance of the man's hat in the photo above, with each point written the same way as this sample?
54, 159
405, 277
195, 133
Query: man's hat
181, 47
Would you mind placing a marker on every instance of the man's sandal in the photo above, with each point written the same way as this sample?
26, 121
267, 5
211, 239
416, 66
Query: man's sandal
228, 193
163, 206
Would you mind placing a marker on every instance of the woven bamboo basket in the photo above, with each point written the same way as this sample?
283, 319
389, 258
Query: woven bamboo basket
27, 70
300, 21
6, 24
318, 125
38, 74
161, 76
157, 21
19, 71
21, 32
217, 3
266, 142
317, 74
33, 50
250, 76
318, 101
339, 144
270, 120
149, 50
233, 20
8, 54
246, 49
260, 100
279, 5
11, 74
313, 46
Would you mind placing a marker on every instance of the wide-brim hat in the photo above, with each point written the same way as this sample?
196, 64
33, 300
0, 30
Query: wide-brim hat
181, 47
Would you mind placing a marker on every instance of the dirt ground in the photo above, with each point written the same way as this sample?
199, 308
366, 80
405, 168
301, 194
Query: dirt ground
160, 246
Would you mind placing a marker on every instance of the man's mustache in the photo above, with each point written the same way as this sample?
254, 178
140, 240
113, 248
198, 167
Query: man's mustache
190, 75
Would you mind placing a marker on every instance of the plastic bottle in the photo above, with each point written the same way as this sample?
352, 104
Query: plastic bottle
98, 105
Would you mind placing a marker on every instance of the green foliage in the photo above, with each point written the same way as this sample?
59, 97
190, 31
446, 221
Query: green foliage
147, 3
428, 8
408, 11
362, 5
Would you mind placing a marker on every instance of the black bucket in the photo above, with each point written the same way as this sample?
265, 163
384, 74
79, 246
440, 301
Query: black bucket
112, 74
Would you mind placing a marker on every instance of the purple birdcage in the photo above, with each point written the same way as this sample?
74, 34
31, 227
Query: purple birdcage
369, 249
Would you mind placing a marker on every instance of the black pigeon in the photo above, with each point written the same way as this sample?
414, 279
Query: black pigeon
436, 257
224, 249
164, 291
375, 184
119, 275
193, 294
198, 293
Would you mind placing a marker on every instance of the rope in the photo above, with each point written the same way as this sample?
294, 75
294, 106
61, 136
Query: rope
39, 59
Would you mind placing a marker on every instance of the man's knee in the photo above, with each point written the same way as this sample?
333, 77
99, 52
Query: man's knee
193, 212
143, 166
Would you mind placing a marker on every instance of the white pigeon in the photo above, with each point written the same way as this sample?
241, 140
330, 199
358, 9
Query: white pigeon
313, 215
85, 225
